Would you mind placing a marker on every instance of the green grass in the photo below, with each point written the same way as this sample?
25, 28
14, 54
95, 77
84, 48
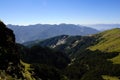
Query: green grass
108, 41
5, 76
26, 72
106, 77
116, 60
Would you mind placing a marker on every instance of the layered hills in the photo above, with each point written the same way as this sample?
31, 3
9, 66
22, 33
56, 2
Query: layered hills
107, 41
44, 31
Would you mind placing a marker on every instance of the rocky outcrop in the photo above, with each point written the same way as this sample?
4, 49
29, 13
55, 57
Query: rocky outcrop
6, 36
9, 56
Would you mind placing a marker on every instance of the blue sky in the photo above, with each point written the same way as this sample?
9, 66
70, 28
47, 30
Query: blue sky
24, 12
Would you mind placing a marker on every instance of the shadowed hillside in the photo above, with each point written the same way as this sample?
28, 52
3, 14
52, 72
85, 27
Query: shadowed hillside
9, 56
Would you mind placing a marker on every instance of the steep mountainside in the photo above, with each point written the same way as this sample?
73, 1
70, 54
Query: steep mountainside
9, 56
107, 41
40, 32
65, 43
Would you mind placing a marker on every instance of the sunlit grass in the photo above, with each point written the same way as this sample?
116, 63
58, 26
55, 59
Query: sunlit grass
26, 70
106, 77
116, 60
109, 41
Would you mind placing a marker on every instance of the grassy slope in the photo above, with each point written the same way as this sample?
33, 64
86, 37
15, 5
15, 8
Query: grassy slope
26, 72
108, 41
106, 77
116, 60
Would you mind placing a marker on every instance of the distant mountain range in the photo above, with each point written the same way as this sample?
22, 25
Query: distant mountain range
102, 27
41, 32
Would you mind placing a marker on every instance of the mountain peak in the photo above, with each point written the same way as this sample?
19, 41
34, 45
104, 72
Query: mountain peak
2, 25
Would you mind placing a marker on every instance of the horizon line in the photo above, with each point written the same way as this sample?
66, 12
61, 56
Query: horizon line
62, 23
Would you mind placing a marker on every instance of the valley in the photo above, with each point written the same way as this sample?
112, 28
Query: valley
62, 57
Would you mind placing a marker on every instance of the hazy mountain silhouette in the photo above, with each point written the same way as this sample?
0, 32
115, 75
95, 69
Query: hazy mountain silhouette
39, 31
102, 27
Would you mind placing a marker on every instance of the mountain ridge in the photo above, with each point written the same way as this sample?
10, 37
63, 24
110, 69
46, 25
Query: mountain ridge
107, 41
39, 31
